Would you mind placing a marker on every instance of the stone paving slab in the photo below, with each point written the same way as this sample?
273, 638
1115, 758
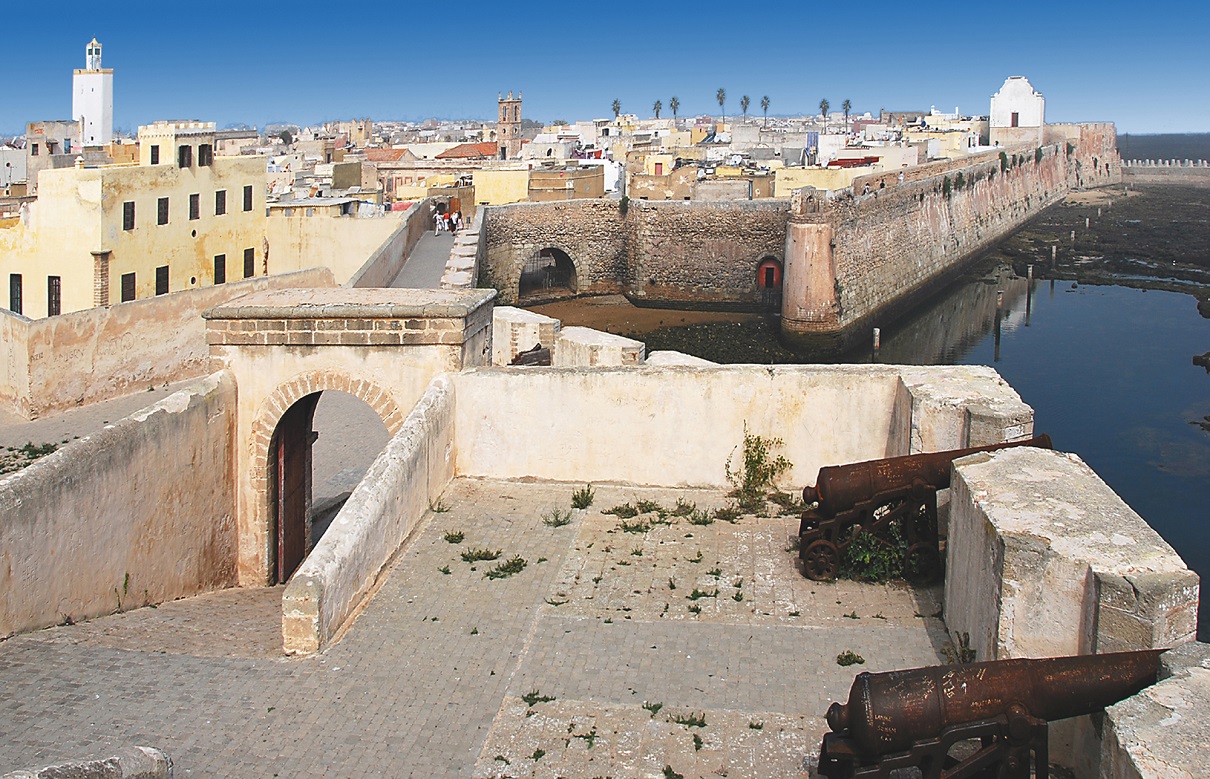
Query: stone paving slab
573, 739
425, 681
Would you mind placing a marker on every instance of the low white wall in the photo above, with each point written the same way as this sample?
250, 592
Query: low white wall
341, 244
103, 353
14, 362
1045, 560
676, 425
516, 330
411, 472
139, 513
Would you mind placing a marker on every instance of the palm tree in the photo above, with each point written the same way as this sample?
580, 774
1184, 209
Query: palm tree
674, 104
617, 108
657, 108
824, 105
764, 106
846, 106
744, 102
721, 97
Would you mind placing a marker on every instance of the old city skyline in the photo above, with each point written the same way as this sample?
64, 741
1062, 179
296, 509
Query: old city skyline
286, 69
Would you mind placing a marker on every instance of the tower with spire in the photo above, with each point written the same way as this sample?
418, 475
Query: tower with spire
92, 98
508, 126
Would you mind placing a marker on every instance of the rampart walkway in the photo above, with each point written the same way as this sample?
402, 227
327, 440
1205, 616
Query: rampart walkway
426, 263
429, 679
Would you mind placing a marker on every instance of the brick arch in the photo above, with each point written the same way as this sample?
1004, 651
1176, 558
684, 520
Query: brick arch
533, 252
286, 395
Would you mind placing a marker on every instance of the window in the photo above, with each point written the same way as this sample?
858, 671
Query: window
184, 157
33, 150
195, 206
220, 202
161, 214
14, 292
248, 198
155, 155
128, 215
54, 295
205, 154
127, 287
161, 280
249, 263
220, 269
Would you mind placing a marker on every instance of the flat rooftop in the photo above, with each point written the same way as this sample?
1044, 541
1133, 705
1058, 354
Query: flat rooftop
603, 626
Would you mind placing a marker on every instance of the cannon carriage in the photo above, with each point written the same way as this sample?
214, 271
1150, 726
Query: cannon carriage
880, 498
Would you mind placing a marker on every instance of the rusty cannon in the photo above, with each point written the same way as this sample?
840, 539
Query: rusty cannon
538, 355
975, 721
878, 497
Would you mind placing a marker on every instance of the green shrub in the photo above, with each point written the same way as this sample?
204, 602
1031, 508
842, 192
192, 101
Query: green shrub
872, 559
582, 498
758, 471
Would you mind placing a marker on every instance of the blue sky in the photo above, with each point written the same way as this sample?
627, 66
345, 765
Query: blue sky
1143, 66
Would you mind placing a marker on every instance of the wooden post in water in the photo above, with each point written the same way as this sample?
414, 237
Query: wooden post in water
877, 341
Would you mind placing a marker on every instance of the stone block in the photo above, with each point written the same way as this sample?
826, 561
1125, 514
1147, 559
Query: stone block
515, 330
584, 347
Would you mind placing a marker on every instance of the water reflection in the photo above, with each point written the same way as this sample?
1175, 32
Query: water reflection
1109, 373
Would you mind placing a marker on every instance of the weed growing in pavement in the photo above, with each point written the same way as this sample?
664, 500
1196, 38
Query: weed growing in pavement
622, 511
958, 651
648, 507
634, 527
695, 609
790, 505
454, 537
699, 594
757, 471
670, 774
654, 708
683, 508
691, 720
534, 697
727, 514
849, 657
696, 517
755, 725
697, 742
538, 754
440, 507
475, 555
696, 559
715, 572
557, 518
582, 498
589, 738
514, 565
445, 569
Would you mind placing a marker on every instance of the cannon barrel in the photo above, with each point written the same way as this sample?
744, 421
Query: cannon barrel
841, 487
889, 712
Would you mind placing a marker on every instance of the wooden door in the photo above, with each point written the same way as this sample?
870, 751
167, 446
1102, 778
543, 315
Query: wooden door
292, 459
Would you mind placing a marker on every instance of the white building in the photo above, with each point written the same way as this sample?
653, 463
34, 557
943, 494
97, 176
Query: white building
92, 98
1018, 113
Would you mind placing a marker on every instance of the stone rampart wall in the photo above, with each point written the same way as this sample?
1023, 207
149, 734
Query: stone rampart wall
707, 252
400, 486
890, 243
1177, 173
385, 263
591, 232
139, 513
88, 356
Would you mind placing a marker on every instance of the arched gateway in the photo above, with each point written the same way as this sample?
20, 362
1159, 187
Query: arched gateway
284, 347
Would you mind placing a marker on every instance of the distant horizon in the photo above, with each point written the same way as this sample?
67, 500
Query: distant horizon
1133, 72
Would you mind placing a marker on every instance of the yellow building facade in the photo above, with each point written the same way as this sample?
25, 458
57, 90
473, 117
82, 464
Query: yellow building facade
179, 219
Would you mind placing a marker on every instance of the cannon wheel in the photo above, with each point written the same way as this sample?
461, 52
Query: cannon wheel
922, 564
821, 560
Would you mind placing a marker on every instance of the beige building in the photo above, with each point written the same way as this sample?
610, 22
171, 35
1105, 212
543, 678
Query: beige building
179, 219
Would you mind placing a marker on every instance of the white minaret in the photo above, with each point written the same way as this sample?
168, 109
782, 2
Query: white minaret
92, 98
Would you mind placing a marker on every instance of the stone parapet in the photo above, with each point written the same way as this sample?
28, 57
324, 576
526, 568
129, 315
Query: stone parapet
1159, 733
1044, 559
350, 317
583, 347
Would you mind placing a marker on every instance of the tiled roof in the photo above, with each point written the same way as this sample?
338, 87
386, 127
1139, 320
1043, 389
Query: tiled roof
385, 155
470, 151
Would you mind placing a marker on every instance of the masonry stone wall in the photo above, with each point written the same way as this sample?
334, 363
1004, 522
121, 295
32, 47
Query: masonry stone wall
136, 514
64, 361
1176, 173
702, 252
591, 232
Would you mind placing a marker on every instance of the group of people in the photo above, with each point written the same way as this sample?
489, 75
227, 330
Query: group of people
449, 222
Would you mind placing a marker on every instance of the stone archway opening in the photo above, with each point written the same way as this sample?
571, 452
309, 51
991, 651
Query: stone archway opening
549, 273
769, 283
319, 452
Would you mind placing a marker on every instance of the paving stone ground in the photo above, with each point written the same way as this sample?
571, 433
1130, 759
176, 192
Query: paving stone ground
429, 680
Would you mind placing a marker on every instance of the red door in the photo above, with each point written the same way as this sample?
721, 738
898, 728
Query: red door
292, 483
